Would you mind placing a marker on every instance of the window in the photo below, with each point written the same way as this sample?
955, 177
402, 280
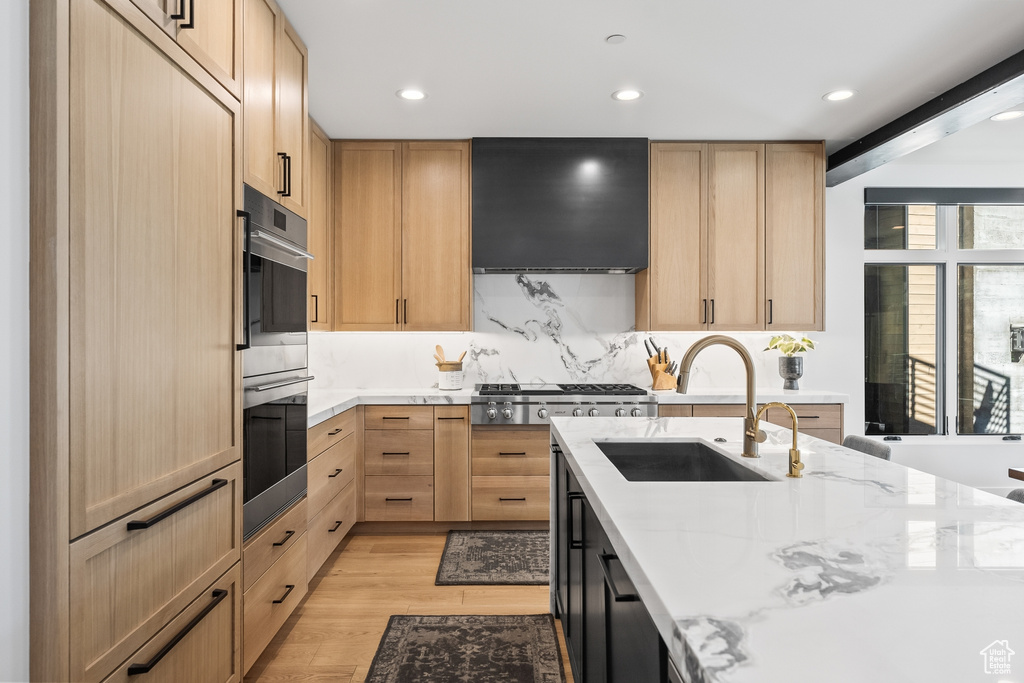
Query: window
944, 311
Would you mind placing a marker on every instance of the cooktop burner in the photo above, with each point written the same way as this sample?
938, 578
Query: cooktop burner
559, 390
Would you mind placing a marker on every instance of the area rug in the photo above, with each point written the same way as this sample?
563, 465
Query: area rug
457, 649
495, 558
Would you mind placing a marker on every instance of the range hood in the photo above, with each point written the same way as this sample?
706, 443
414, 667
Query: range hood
549, 205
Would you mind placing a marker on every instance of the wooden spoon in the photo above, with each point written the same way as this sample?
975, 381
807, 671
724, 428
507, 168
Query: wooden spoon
462, 356
440, 352
439, 359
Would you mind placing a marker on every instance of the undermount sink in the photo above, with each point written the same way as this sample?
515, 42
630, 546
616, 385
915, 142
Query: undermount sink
674, 461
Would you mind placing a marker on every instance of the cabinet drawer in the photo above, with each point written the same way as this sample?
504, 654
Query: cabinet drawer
127, 584
329, 473
719, 410
833, 435
511, 452
402, 452
511, 498
209, 650
809, 415
672, 410
271, 599
267, 546
328, 528
398, 417
399, 499
329, 432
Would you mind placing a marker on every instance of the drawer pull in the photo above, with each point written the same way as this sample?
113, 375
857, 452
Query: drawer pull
337, 525
288, 534
388, 417
504, 499
810, 417
511, 453
395, 453
336, 473
398, 500
135, 669
618, 597
336, 431
289, 588
452, 418
136, 524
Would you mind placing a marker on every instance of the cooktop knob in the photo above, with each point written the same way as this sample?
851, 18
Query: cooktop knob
542, 413
492, 413
577, 412
593, 412
636, 412
620, 412
507, 412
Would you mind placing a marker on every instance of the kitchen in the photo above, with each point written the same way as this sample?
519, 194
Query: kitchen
602, 305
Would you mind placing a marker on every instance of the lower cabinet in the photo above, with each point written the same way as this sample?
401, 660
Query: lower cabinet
609, 635
511, 479
821, 420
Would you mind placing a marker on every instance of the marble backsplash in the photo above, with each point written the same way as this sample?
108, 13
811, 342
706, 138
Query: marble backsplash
536, 328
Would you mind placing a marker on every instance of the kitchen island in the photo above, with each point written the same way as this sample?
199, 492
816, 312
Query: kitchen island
861, 570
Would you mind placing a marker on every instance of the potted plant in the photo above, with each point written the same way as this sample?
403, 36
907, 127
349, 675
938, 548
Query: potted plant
791, 366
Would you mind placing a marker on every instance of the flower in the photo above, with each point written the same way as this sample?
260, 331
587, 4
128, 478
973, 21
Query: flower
790, 345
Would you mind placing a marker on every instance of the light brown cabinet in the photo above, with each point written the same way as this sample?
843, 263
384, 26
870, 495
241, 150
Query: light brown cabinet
209, 30
267, 604
401, 241
320, 230
736, 238
136, 411
511, 473
821, 420
451, 464
334, 458
274, 96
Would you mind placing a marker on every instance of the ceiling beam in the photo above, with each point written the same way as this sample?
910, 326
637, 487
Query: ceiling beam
994, 90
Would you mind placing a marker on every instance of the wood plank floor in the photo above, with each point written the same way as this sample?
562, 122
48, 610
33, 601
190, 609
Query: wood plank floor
334, 632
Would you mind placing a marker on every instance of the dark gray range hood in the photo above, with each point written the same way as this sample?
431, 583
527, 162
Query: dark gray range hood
548, 205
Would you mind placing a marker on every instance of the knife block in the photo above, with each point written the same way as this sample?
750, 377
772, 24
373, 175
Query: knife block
660, 380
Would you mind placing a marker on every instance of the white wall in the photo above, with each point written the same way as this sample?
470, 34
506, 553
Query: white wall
14, 339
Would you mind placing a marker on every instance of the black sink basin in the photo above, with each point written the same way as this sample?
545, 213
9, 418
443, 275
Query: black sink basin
674, 461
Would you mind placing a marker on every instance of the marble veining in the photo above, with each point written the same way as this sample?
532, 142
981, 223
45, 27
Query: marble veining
822, 569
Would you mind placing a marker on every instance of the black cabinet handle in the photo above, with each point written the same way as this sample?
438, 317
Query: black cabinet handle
769, 311
289, 588
288, 534
572, 498
180, 14
398, 500
704, 319
336, 473
337, 525
606, 570
405, 311
246, 269
396, 312
137, 524
336, 431
316, 309
394, 452
712, 312
504, 499
452, 418
191, 15
511, 453
398, 417
284, 174
136, 669
288, 161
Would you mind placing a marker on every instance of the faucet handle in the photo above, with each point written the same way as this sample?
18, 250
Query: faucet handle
760, 436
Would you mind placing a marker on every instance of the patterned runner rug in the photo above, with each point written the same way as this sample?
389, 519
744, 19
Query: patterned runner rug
457, 649
495, 558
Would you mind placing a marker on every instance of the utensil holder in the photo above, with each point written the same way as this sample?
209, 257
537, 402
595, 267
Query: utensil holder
449, 375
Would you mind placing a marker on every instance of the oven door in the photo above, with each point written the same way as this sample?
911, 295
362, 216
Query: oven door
274, 446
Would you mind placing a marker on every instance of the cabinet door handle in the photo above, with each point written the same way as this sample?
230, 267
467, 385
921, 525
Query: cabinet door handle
405, 311
284, 174
335, 431
336, 473
770, 311
289, 176
572, 498
504, 499
397, 321
704, 318
136, 669
288, 534
511, 453
316, 309
451, 418
398, 500
337, 525
137, 524
606, 570
288, 591
712, 312
394, 452
180, 14
246, 269
191, 15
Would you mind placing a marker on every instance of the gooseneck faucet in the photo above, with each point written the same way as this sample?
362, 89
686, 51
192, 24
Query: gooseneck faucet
751, 435
794, 453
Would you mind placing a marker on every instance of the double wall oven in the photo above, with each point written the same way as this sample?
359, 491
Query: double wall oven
274, 368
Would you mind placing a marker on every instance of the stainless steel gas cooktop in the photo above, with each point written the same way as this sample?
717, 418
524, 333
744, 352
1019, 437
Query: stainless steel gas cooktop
521, 404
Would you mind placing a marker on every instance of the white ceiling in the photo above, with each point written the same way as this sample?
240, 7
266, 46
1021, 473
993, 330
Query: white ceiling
738, 69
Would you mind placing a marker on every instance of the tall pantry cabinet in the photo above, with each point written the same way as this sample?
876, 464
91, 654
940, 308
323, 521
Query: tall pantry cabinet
136, 406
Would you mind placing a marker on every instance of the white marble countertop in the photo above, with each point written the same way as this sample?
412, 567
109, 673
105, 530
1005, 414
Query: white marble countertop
326, 403
862, 570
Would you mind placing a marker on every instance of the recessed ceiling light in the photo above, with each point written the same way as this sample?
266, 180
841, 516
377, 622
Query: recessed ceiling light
1008, 115
627, 95
838, 95
411, 94
615, 39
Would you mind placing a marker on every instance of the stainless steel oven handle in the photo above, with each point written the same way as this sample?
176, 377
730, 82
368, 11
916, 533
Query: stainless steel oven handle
282, 244
278, 385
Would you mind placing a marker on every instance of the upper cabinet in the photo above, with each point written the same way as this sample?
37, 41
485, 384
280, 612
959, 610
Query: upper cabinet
274, 101
401, 242
209, 30
320, 229
736, 238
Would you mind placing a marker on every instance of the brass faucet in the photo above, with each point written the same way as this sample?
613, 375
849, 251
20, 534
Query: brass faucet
751, 435
794, 453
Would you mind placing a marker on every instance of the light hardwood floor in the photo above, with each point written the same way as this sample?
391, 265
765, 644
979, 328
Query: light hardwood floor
334, 633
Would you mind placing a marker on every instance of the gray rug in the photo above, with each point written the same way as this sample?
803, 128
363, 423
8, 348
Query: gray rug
478, 558
458, 649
